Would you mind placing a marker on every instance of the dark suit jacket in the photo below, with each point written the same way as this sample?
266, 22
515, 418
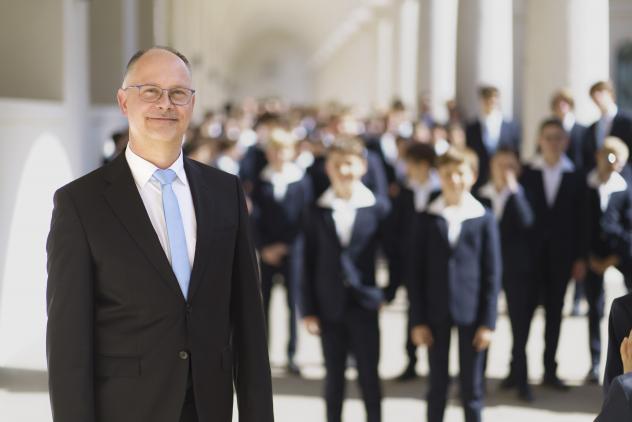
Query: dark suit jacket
336, 277
509, 137
621, 128
617, 406
118, 324
619, 326
514, 226
459, 284
575, 151
557, 229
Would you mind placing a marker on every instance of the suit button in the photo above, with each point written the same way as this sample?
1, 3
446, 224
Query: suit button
184, 355
188, 308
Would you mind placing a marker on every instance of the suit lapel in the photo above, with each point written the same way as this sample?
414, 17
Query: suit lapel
204, 205
330, 225
123, 197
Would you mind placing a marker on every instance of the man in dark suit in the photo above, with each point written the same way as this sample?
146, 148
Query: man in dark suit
154, 309
613, 122
555, 191
489, 132
619, 326
618, 403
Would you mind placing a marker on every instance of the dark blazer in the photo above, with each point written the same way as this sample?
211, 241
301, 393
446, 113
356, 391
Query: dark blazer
251, 164
121, 337
575, 151
557, 229
373, 144
621, 128
619, 326
509, 137
336, 277
514, 226
617, 406
279, 221
459, 284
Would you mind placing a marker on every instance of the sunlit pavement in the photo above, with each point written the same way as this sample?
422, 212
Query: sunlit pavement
23, 396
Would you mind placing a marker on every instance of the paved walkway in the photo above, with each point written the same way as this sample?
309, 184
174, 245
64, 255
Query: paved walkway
23, 393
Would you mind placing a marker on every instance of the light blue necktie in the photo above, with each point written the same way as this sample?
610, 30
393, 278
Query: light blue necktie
175, 229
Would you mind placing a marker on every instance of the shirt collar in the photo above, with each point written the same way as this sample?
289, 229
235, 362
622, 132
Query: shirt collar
290, 173
569, 121
468, 209
565, 164
495, 117
143, 170
612, 111
361, 197
616, 182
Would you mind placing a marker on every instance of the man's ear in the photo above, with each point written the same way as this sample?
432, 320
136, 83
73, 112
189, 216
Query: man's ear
121, 98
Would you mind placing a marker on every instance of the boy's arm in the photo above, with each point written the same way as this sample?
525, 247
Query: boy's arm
491, 273
416, 274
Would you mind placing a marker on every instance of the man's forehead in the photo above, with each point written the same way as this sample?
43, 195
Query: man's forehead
159, 66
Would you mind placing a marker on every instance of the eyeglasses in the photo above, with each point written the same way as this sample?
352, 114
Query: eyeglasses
153, 93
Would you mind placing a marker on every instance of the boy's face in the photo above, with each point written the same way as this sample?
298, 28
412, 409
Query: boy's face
553, 142
456, 179
345, 169
608, 161
490, 103
277, 154
417, 170
502, 164
602, 99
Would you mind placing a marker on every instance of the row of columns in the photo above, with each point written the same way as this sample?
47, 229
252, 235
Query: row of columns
445, 49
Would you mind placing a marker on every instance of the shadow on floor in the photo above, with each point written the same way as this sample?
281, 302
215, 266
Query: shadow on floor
580, 399
23, 380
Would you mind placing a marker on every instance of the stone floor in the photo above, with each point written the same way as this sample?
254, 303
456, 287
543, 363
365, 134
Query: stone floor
23, 392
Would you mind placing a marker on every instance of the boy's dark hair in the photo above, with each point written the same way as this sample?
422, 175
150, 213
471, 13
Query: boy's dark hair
348, 145
601, 86
417, 153
488, 91
506, 149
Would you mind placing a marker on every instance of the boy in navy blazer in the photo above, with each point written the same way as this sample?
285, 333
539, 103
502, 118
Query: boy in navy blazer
608, 225
555, 191
506, 198
420, 187
340, 296
280, 194
455, 281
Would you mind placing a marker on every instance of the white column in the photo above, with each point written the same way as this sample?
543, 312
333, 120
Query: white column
408, 47
385, 60
129, 19
561, 53
437, 53
162, 22
485, 52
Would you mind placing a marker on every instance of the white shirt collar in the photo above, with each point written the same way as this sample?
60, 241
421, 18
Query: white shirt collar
143, 170
361, 197
616, 182
493, 118
468, 209
498, 199
564, 164
612, 111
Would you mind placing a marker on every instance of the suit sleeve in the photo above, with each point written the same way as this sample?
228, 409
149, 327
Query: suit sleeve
308, 293
252, 367
69, 297
619, 325
491, 274
616, 406
417, 278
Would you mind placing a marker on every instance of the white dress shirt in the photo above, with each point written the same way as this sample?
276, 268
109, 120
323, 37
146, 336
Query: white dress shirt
344, 211
280, 180
616, 183
151, 193
423, 191
552, 175
492, 124
604, 125
455, 215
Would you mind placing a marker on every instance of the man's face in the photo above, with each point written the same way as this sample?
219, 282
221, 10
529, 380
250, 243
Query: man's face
345, 169
456, 179
553, 142
160, 121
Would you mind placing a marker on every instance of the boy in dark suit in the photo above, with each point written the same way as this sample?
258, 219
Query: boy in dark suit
280, 193
414, 194
555, 191
340, 296
504, 195
454, 282
607, 227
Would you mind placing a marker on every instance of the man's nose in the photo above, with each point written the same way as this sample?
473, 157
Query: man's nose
164, 101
